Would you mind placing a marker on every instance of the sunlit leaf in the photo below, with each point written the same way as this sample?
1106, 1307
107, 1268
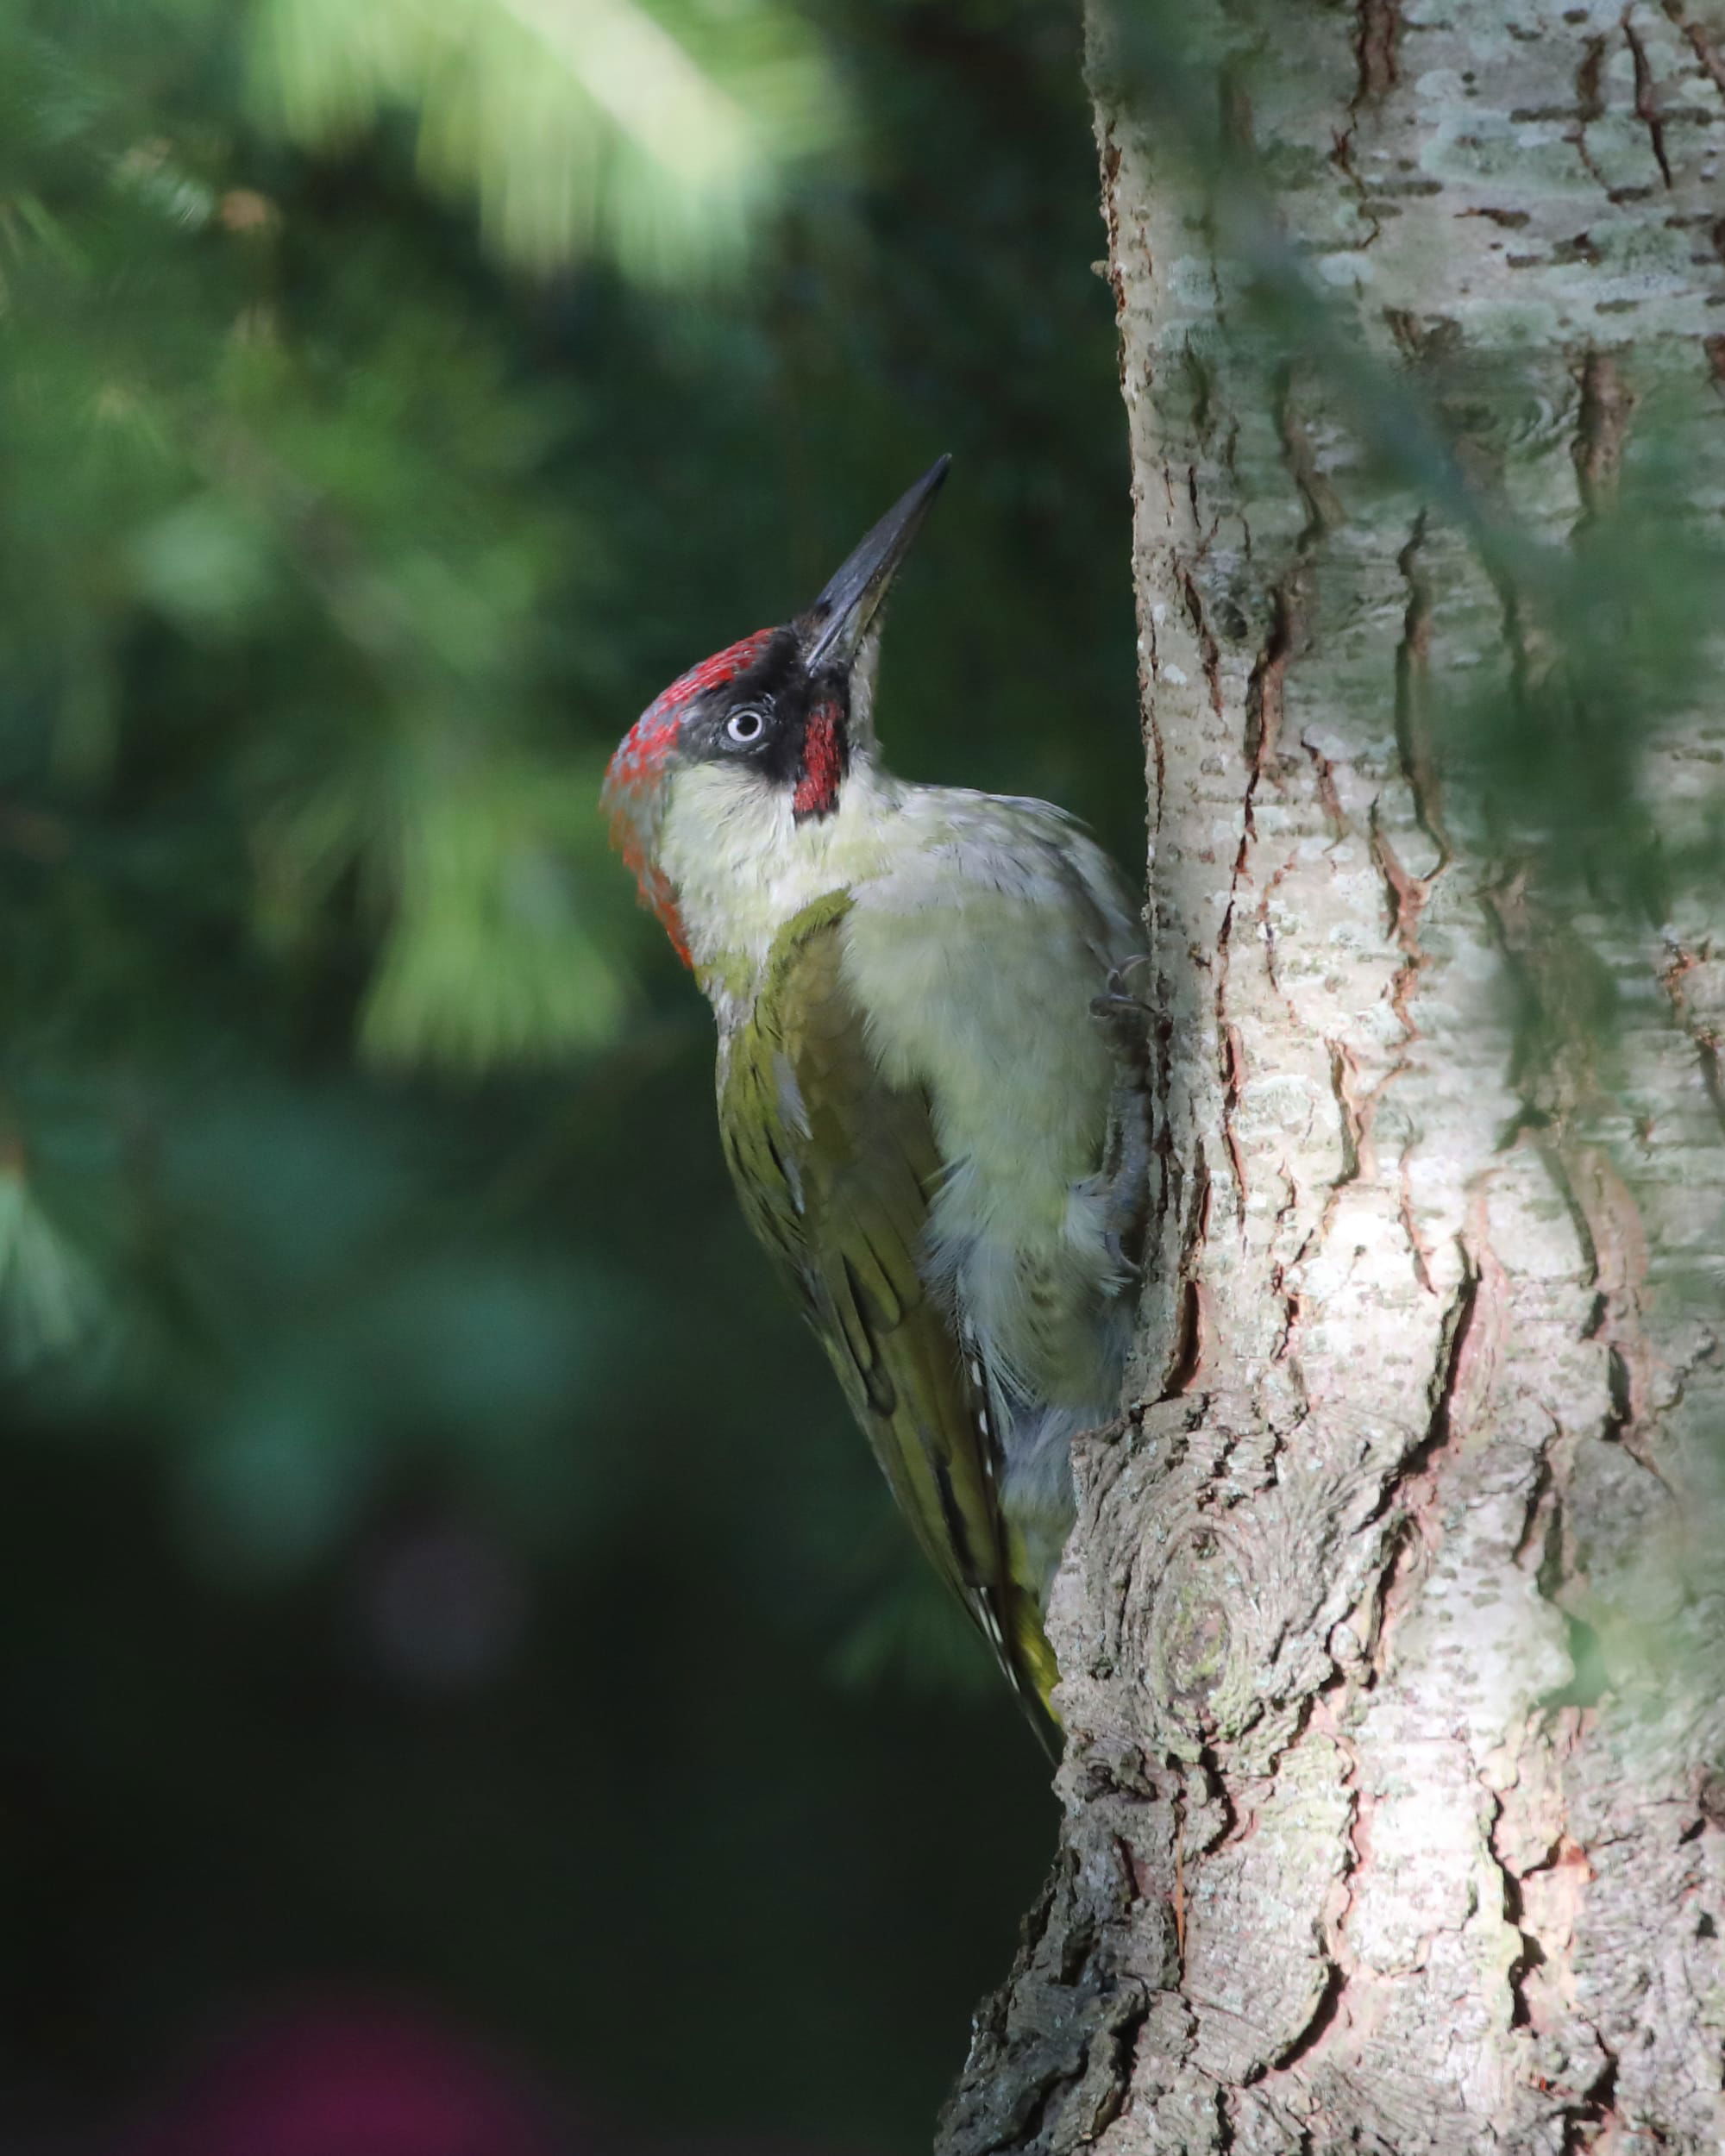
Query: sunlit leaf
656, 132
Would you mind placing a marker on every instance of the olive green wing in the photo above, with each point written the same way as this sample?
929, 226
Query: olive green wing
835, 1169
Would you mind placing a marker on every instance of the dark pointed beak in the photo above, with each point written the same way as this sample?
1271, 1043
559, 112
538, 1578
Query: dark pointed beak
840, 618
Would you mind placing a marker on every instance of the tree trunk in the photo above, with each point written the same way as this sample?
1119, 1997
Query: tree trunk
1391, 1625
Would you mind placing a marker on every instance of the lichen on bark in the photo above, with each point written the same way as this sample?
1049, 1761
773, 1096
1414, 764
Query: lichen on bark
1390, 1628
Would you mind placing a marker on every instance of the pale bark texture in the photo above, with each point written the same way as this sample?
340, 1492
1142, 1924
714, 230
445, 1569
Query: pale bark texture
1390, 1630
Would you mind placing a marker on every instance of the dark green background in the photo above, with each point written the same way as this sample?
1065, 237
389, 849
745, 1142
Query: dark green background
434, 1565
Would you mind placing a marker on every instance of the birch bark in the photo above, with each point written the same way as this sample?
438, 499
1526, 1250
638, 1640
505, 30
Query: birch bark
1391, 1626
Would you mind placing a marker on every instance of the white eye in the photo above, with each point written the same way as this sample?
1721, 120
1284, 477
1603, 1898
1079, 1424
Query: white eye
746, 727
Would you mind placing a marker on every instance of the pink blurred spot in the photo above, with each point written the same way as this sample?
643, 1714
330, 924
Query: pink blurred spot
361, 2081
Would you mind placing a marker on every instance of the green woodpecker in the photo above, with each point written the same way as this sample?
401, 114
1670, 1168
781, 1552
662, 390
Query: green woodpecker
914, 1094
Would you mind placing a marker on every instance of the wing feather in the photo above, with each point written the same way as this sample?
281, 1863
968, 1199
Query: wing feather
835, 1169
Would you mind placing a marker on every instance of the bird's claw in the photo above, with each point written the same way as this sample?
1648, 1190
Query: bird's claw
1128, 1268
1117, 978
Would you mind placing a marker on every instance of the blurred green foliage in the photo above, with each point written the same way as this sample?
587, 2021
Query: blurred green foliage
660, 132
428, 1542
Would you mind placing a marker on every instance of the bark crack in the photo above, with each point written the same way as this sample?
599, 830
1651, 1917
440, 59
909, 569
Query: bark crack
1324, 2016
1267, 927
1648, 110
1377, 43
1699, 43
1328, 799
1601, 434
1703, 1037
1604, 406
1209, 651
1406, 900
1468, 1349
1109, 158
1413, 719
1354, 1129
1590, 2114
1329, 2012
1589, 105
1356, 1120
1186, 1359
1341, 156
1290, 597
1417, 1244
1234, 1073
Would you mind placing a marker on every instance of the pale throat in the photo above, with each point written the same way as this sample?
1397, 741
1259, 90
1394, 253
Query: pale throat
742, 864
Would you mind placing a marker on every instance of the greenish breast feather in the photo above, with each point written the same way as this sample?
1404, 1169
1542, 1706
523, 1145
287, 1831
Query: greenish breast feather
983, 1001
838, 1164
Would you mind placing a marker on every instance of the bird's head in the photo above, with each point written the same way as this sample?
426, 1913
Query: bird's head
785, 713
